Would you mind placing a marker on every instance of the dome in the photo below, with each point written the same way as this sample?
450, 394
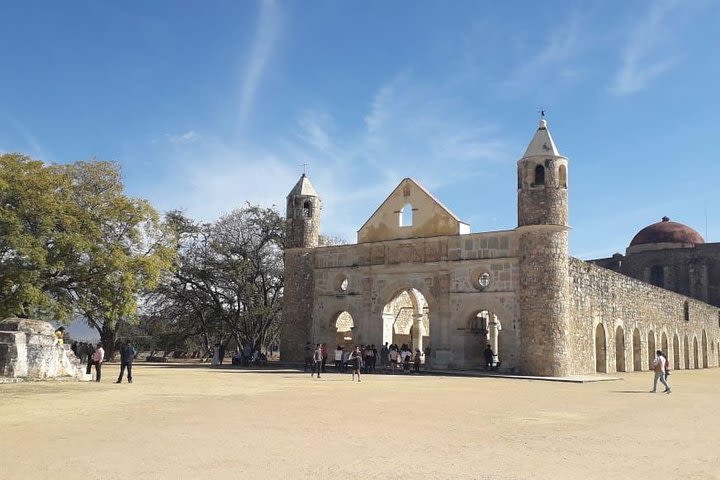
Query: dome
666, 231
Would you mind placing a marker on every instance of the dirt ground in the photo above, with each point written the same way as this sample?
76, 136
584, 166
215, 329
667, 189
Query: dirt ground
184, 421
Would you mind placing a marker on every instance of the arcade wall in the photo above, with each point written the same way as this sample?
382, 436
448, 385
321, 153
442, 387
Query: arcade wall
621, 305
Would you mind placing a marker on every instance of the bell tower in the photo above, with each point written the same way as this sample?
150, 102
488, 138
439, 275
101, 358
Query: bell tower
303, 215
543, 249
302, 233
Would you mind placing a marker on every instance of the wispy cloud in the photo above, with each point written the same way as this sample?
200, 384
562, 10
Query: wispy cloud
182, 138
265, 36
409, 129
36, 149
646, 56
552, 58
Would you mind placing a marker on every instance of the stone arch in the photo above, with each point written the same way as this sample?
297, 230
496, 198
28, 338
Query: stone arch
686, 348
600, 349
562, 176
637, 351
307, 209
482, 328
539, 175
406, 319
696, 353
651, 348
676, 352
664, 344
704, 346
620, 349
344, 325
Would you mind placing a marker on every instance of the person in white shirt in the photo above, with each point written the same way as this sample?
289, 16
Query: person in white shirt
338, 359
659, 367
98, 358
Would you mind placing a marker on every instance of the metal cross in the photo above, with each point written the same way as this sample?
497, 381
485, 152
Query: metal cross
542, 113
304, 165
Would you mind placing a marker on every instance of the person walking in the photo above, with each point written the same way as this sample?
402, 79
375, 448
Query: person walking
356, 362
89, 354
215, 362
489, 354
418, 354
98, 358
317, 361
659, 367
324, 351
222, 353
308, 357
127, 355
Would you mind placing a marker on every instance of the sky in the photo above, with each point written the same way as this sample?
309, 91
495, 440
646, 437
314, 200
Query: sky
207, 105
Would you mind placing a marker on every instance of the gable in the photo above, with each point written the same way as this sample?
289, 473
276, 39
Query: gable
430, 218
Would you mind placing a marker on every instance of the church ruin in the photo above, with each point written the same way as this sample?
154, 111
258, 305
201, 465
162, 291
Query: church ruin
417, 275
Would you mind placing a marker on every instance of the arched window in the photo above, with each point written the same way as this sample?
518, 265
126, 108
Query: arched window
307, 209
686, 308
562, 176
406, 216
539, 175
657, 276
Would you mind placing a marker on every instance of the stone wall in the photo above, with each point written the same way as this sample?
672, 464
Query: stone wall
636, 318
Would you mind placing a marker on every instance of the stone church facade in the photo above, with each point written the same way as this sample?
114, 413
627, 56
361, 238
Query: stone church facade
418, 276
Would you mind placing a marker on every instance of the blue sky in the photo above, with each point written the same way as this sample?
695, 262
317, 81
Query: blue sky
209, 104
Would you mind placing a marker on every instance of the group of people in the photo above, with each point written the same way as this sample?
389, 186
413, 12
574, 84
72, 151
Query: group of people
242, 356
365, 359
95, 356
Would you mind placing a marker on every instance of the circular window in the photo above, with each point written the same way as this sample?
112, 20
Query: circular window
342, 284
484, 280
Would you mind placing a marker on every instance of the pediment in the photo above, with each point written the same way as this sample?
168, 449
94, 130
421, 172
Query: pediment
430, 218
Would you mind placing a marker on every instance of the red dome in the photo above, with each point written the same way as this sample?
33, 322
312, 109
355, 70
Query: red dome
667, 232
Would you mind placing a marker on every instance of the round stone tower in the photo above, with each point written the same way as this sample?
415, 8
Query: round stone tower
543, 250
303, 215
302, 235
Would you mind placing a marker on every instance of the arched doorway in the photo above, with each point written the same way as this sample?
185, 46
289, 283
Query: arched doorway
686, 346
406, 320
344, 325
600, 349
676, 352
704, 350
696, 354
651, 349
619, 349
637, 351
483, 329
664, 344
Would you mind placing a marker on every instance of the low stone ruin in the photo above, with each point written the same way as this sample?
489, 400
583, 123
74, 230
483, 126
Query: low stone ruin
29, 350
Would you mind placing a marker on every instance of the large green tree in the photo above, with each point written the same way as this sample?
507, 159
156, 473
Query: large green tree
73, 243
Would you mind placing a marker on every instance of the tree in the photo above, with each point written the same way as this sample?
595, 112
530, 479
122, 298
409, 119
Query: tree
72, 243
228, 278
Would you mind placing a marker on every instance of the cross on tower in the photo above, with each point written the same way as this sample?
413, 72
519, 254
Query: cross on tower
542, 113
305, 165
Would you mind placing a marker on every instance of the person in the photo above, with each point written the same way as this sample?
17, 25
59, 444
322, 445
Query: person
127, 355
216, 356
98, 358
222, 353
59, 336
489, 354
75, 348
345, 355
393, 360
659, 367
428, 351
90, 354
418, 353
667, 366
384, 356
317, 361
356, 363
338, 358
324, 351
308, 356
237, 356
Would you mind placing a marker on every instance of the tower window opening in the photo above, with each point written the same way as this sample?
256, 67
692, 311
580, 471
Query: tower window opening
686, 309
562, 176
307, 209
539, 175
657, 276
406, 216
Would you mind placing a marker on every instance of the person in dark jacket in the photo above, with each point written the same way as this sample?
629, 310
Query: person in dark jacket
127, 355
